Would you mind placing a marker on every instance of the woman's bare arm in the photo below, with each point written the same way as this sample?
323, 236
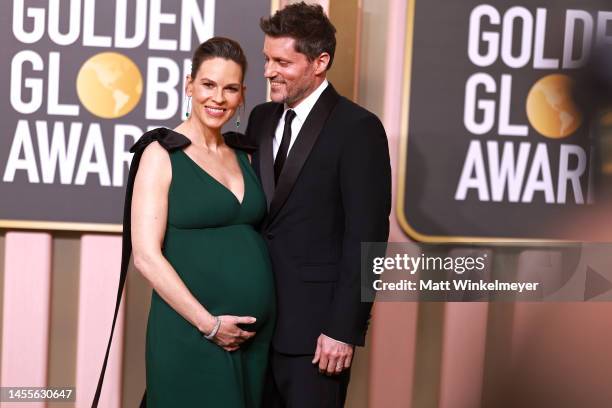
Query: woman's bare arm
149, 215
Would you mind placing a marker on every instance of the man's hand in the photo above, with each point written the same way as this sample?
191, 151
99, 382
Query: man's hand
333, 356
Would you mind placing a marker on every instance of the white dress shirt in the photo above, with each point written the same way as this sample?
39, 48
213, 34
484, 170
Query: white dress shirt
301, 113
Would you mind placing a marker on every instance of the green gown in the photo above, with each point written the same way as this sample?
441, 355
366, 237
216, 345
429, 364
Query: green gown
212, 243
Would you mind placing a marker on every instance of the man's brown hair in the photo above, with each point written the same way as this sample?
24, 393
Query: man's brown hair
308, 25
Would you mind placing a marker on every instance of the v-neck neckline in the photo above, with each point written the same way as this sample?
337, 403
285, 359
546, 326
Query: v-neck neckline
226, 188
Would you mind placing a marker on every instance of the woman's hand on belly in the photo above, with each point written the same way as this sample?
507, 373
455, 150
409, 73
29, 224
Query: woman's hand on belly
230, 336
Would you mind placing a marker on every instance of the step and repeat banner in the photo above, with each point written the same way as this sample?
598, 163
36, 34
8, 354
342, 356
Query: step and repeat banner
494, 144
83, 79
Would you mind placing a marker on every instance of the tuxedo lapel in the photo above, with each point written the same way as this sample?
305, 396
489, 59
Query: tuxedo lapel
266, 155
301, 149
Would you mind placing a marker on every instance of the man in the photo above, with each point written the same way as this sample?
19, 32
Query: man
324, 165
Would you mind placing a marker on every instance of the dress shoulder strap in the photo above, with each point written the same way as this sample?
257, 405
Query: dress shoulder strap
238, 141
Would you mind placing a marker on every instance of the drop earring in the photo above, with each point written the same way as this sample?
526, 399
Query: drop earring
188, 107
238, 118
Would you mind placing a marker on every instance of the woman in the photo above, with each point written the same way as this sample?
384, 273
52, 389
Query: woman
193, 212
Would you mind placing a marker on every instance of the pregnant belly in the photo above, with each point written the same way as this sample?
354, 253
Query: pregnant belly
227, 269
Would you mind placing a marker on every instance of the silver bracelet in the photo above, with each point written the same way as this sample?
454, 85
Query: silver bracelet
214, 331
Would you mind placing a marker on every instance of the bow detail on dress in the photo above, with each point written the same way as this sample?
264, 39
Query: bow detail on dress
238, 141
169, 139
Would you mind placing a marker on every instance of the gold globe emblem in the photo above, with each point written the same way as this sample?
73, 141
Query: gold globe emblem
551, 109
109, 85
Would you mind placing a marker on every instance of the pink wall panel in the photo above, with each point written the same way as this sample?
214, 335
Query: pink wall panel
463, 354
392, 350
394, 324
99, 278
26, 305
559, 356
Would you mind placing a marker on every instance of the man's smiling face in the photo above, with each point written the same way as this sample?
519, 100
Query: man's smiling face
291, 75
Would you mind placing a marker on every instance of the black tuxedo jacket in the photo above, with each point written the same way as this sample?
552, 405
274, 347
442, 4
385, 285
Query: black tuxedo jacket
333, 194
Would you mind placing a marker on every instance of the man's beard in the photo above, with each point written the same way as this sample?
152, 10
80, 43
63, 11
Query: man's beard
293, 97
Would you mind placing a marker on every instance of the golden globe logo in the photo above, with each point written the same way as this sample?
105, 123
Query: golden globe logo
55, 141
513, 166
109, 85
550, 107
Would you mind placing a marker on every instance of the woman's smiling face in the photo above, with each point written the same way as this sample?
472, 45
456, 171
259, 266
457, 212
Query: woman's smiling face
216, 91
